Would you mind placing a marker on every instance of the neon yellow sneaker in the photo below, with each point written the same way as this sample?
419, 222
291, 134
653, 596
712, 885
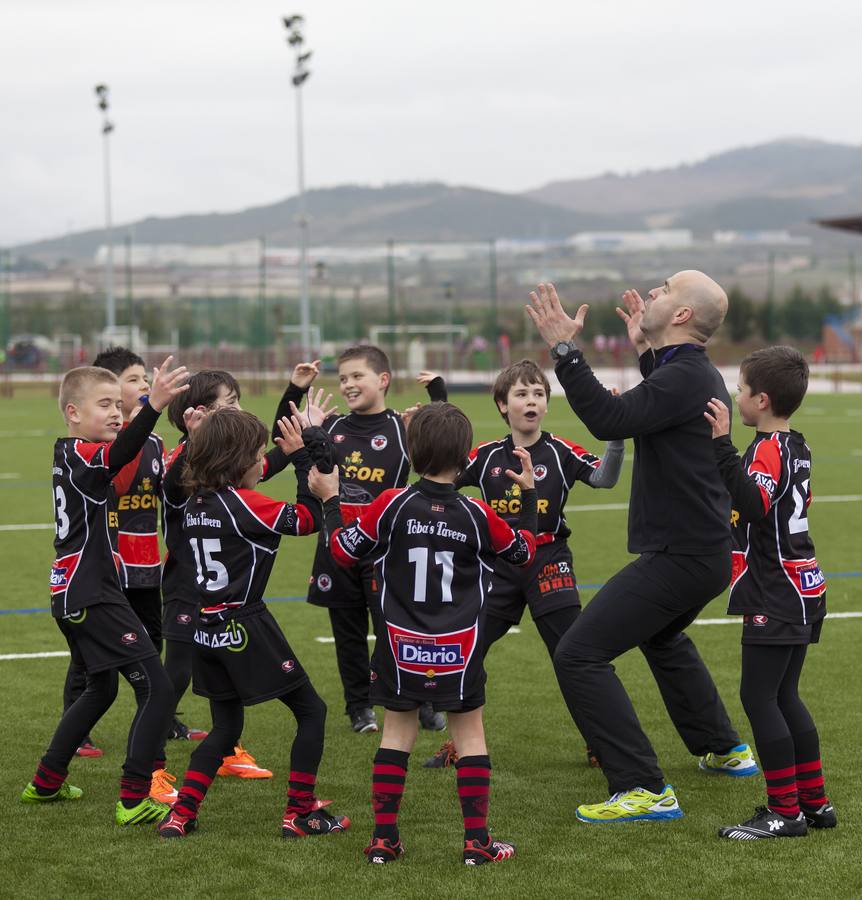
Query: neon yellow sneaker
66, 792
148, 810
637, 805
738, 763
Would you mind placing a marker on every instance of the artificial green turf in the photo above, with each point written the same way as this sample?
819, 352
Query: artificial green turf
73, 850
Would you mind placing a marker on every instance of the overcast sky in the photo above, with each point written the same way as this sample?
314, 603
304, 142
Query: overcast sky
480, 92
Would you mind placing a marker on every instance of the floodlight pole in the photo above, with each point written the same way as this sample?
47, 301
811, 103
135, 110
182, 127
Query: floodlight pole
107, 127
301, 72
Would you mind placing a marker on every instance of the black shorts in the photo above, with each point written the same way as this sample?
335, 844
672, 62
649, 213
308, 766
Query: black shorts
179, 620
244, 657
546, 585
335, 587
760, 629
405, 682
106, 636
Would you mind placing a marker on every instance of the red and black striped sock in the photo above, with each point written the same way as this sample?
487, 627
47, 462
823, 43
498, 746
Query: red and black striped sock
133, 790
474, 790
387, 788
191, 794
300, 793
809, 770
47, 781
779, 770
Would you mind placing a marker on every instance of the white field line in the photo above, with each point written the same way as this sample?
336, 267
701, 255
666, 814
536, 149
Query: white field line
727, 620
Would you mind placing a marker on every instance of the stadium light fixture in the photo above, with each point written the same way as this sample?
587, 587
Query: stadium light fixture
102, 101
295, 40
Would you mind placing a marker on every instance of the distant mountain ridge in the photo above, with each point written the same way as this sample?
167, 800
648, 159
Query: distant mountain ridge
783, 184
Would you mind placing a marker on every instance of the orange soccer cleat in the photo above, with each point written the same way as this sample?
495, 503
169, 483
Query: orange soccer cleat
162, 788
243, 765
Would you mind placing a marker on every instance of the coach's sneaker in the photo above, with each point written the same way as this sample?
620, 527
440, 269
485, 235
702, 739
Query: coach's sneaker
738, 762
88, 748
430, 720
820, 816
381, 851
638, 805
317, 822
66, 791
363, 721
162, 786
243, 765
179, 731
176, 824
443, 758
148, 810
766, 824
477, 854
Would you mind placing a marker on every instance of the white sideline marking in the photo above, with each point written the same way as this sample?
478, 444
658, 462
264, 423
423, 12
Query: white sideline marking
35, 526
44, 655
515, 629
9, 476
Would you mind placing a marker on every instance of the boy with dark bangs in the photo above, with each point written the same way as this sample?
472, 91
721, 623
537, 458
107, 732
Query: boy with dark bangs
433, 551
241, 656
777, 587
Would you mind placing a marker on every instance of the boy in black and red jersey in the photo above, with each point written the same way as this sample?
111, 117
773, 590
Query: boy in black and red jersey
548, 586
434, 552
241, 656
777, 587
209, 390
371, 451
137, 488
104, 634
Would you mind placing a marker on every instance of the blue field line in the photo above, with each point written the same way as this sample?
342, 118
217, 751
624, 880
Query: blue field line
45, 609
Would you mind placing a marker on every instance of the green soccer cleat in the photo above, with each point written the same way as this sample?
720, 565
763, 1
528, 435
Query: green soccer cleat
638, 805
66, 792
738, 763
148, 810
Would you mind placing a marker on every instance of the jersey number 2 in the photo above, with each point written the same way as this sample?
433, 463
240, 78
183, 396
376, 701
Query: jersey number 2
211, 572
443, 558
798, 523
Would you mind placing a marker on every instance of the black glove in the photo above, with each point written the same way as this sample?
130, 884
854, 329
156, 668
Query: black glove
320, 448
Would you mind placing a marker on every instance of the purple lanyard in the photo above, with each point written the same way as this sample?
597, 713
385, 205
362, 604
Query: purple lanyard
669, 354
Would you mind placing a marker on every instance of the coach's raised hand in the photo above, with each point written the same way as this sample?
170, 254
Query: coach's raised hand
552, 321
633, 315
167, 383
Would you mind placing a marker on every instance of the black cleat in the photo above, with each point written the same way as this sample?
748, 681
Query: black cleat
477, 854
381, 851
765, 824
430, 720
177, 825
443, 758
363, 721
821, 816
179, 731
317, 822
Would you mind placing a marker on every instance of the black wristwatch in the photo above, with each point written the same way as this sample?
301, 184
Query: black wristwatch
563, 349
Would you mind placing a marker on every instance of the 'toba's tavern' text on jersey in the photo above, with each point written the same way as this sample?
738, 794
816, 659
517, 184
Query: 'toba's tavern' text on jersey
433, 551
775, 571
557, 465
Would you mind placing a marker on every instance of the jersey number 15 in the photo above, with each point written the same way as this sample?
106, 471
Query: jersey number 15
210, 571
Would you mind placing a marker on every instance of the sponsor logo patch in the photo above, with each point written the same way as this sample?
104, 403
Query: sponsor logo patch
184, 619
324, 582
379, 442
431, 655
759, 620
338, 438
288, 665
438, 507
157, 467
233, 638
539, 472
129, 637
496, 471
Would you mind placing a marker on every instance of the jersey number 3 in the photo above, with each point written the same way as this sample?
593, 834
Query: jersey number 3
210, 571
443, 558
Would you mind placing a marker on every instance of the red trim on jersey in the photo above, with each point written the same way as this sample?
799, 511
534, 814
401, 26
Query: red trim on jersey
87, 451
262, 507
174, 455
367, 523
306, 520
767, 464
580, 452
139, 549
502, 535
62, 570
739, 566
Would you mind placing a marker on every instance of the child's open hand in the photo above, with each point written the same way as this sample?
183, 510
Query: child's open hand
720, 418
166, 384
408, 414
425, 378
305, 373
291, 435
193, 417
324, 487
524, 478
316, 409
